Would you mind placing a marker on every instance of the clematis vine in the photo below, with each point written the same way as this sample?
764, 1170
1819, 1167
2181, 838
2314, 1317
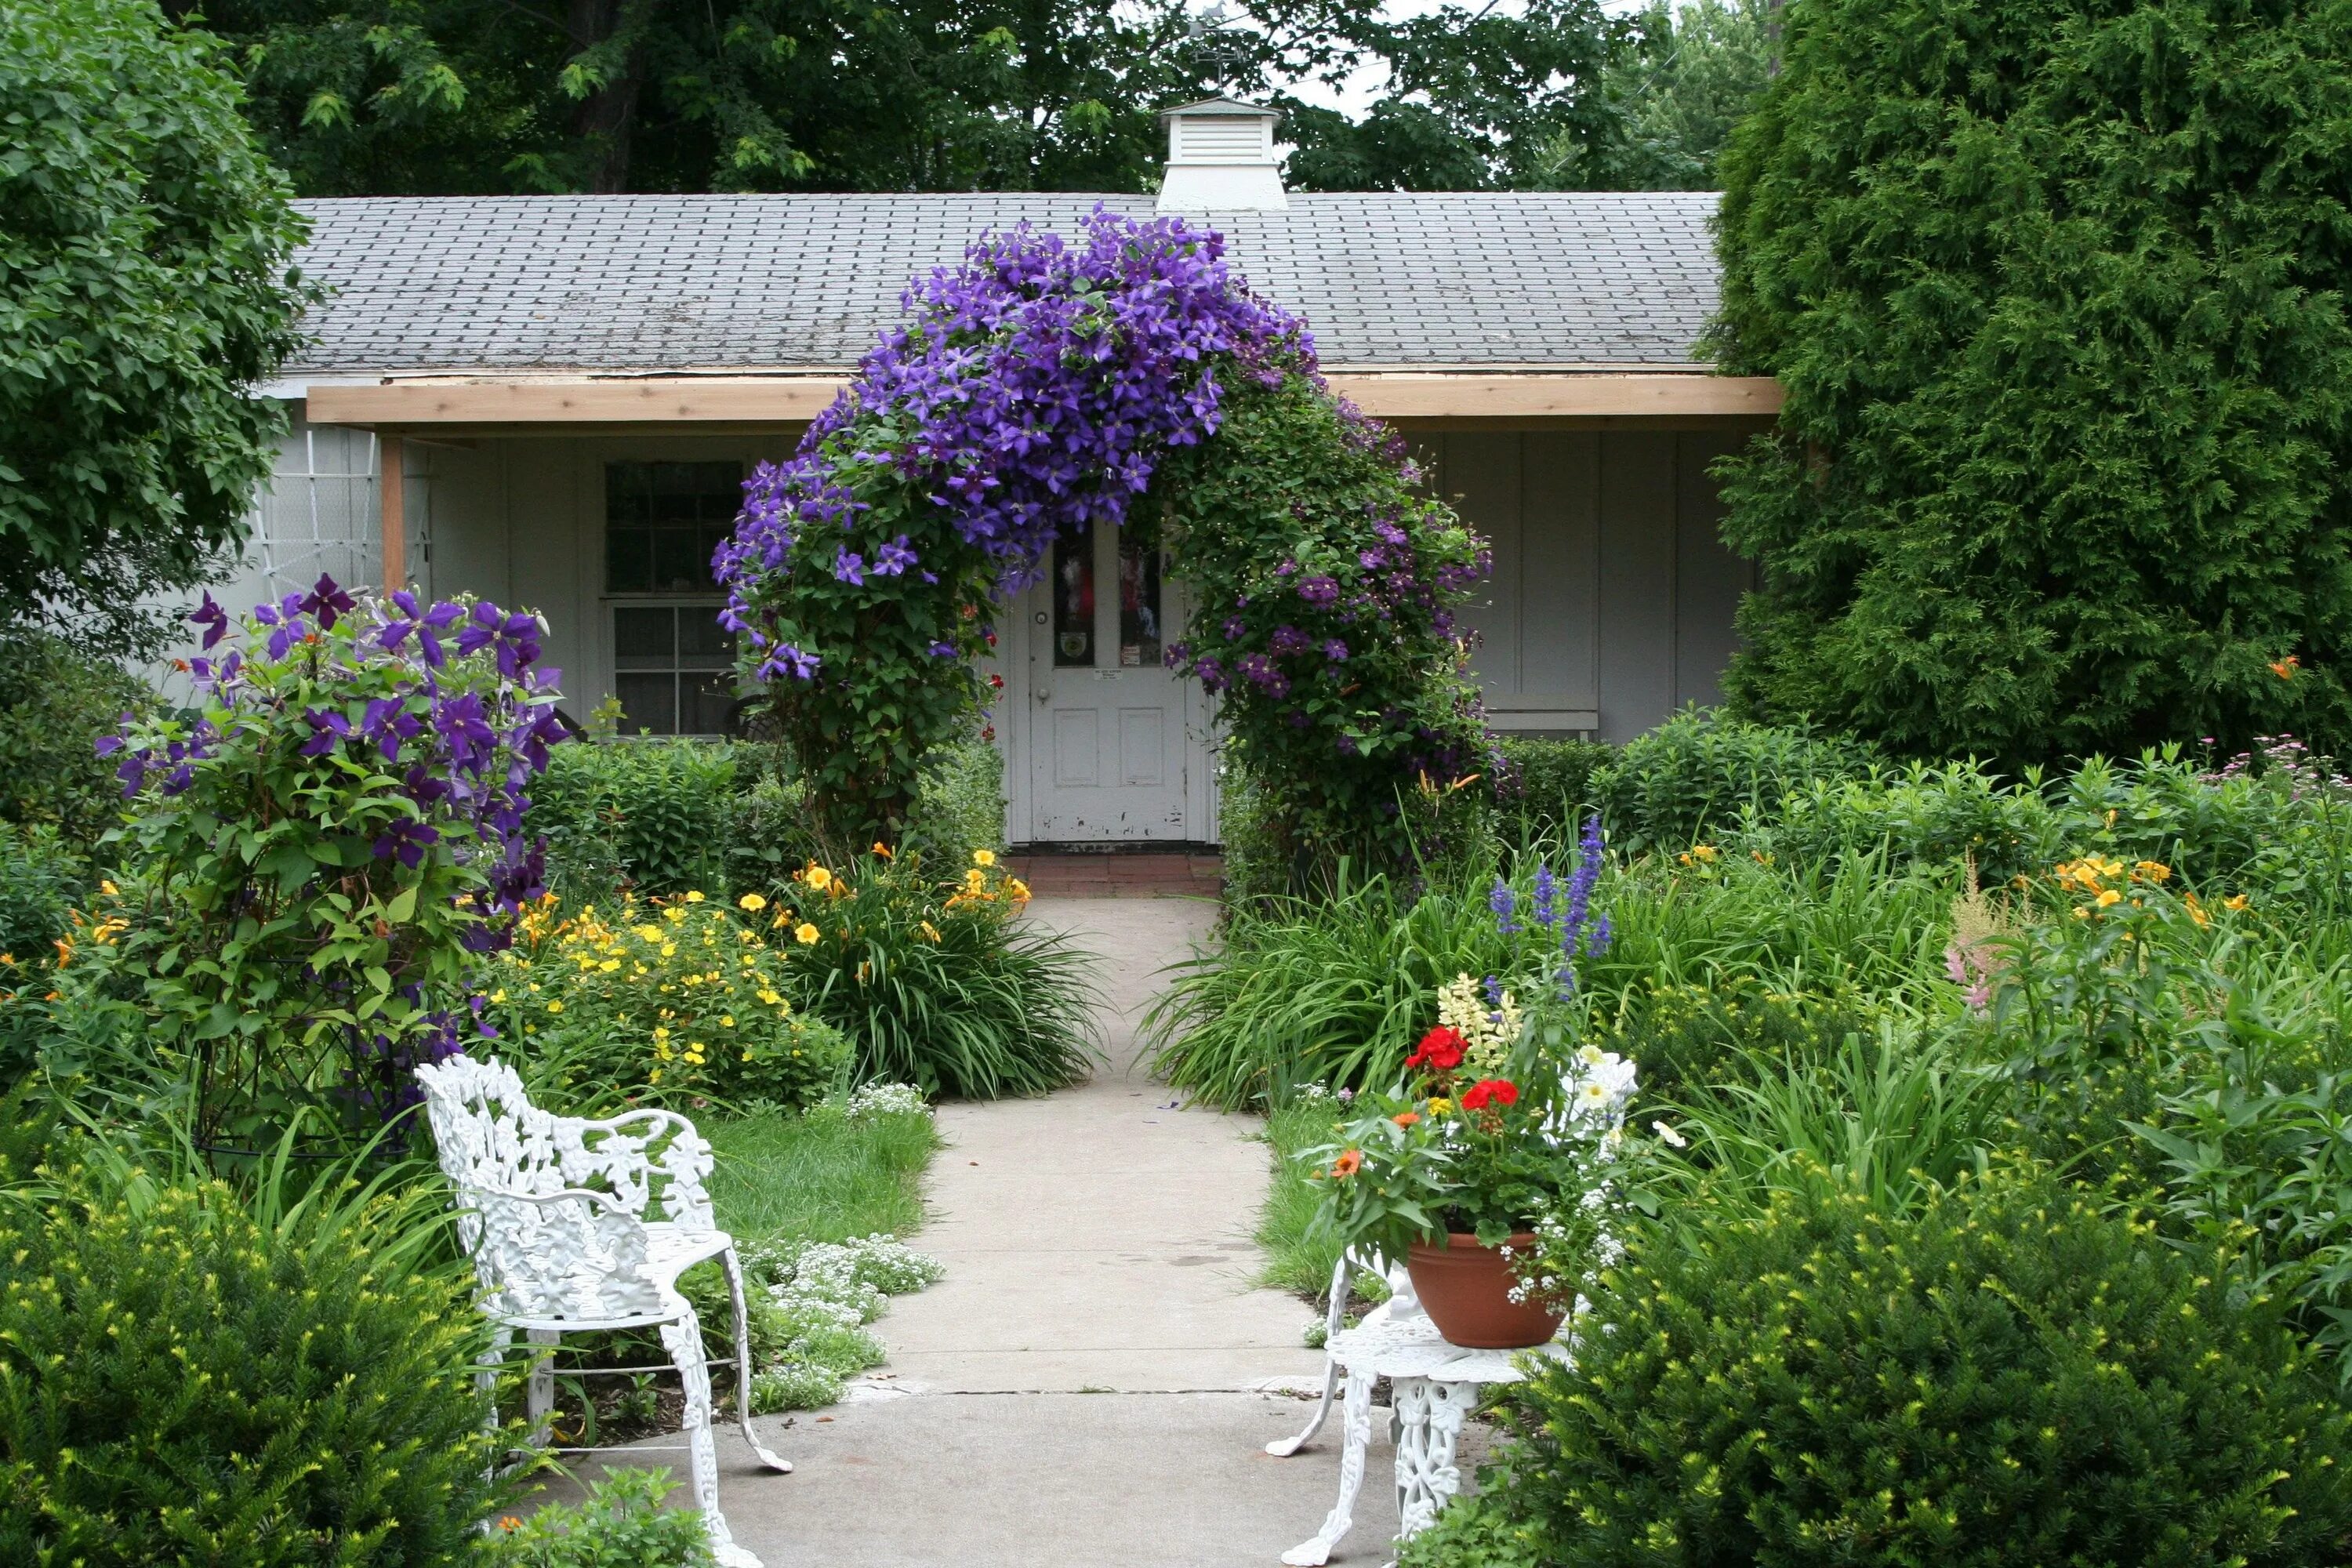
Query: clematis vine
1049, 386
370, 759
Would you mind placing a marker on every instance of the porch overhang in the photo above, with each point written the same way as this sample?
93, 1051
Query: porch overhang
562, 403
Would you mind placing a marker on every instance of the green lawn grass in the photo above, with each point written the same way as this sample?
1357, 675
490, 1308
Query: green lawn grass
818, 1177
1296, 1259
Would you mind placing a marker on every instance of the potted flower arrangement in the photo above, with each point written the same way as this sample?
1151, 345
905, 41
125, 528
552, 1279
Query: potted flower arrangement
1497, 1130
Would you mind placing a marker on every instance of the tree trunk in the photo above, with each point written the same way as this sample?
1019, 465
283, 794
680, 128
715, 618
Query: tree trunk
604, 120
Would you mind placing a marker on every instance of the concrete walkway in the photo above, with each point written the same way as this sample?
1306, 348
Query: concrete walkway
1095, 1379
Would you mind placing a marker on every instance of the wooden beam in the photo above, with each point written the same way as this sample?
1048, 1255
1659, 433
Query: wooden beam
1586, 395
577, 400
393, 491
483, 404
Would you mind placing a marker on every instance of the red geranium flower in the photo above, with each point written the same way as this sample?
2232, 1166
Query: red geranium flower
1490, 1092
1440, 1049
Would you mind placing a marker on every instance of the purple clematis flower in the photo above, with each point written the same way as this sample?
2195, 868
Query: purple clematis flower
408, 840
327, 602
213, 618
849, 567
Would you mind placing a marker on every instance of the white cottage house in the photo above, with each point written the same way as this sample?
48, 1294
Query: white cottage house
553, 401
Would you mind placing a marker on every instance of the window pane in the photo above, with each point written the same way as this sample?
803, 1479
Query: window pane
1074, 599
649, 703
663, 520
645, 639
710, 700
702, 642
1138, 603
628, 561
678, 567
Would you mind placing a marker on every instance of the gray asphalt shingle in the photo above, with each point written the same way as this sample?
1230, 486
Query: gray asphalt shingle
769, 283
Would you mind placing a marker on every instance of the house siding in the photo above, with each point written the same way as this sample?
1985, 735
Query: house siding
1610, 603
1612, 597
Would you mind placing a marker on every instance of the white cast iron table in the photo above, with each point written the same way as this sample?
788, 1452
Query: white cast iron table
1435, 1385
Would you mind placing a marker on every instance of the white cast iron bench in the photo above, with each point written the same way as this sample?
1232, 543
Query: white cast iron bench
554, 1212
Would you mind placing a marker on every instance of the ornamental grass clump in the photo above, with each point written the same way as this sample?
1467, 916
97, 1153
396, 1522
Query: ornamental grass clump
677, 999
2012, 1377
936, 982
318, 846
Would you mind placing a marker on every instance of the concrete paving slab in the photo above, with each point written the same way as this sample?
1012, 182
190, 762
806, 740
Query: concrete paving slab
1065, 1480
1099, 1238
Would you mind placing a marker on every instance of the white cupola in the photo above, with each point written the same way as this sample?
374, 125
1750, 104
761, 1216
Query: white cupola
1221, 159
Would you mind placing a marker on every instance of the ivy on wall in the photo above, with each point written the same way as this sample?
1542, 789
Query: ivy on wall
1047, 385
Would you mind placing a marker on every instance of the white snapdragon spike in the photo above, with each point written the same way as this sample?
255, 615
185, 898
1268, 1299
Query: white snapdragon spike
1488, 1030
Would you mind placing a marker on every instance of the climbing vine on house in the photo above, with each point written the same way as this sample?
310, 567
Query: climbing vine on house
1124, 378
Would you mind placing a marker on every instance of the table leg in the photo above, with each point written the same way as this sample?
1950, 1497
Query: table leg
1356, 1437
1430, 1416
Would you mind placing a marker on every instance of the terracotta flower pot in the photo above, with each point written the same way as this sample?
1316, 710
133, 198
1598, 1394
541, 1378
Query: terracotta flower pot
1466, 1289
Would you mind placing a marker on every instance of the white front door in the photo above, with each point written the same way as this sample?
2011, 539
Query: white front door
1112, 734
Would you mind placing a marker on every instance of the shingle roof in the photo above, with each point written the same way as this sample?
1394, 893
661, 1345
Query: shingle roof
764, 283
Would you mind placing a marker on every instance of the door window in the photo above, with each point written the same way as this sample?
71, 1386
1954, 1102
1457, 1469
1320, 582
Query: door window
1138, 603
1073, 586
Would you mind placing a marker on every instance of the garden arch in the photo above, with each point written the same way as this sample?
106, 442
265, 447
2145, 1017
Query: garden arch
1048, 390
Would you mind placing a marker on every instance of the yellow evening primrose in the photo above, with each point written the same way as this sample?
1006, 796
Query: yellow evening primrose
609, 965
751, 903
498, 995
555, 1006
805, 934
694, 897
647, 933
727, 1020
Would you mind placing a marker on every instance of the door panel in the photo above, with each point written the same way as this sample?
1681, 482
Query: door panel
1106, 718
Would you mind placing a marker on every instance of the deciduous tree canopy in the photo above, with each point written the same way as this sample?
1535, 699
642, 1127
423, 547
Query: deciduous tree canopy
144, 291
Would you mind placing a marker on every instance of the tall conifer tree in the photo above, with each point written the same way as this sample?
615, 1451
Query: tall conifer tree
2056, 291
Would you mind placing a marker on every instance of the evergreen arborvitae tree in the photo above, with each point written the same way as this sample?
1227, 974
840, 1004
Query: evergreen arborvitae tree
2055, 288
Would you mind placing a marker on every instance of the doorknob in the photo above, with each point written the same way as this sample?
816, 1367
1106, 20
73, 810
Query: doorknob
1044, 694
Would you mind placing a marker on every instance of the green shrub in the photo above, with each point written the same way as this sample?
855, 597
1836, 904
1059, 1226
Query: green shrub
677, 1000
664, 808
2011, 1376
2056, 291
935, 981
54, 706
1473, 1532
1258, 859
187, 1375
959, 803
1692, 777
2283, 828
1550, 788
40, 882
621, 1523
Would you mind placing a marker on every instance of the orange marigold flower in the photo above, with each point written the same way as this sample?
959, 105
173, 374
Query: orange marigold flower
1349, 1161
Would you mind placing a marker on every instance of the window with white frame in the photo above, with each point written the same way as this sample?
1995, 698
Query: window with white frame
673, 663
